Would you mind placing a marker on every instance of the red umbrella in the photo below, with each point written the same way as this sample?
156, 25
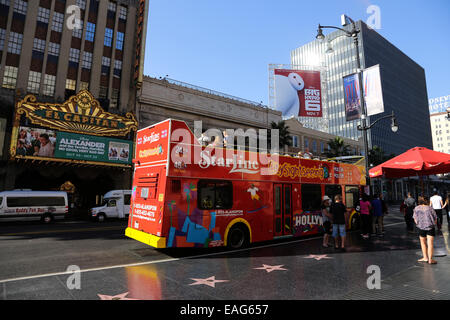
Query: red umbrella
417, 161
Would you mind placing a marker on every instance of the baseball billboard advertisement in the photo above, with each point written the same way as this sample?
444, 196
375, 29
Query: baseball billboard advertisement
298, 93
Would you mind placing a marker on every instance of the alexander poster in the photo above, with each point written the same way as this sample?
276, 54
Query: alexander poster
298, 93
40, 142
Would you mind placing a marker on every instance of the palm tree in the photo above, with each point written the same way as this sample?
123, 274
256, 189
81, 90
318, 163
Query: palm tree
284, 138
337, 148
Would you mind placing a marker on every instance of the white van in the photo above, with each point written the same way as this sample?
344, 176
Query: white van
33, 205
116, 204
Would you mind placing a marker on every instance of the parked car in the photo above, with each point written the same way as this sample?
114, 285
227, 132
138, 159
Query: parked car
33, 205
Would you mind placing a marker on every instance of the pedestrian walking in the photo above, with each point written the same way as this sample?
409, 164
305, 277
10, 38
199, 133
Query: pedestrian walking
385, 212
326, 220
410, 203
437, 204
426, 219
365, 207
377, 217
338, 211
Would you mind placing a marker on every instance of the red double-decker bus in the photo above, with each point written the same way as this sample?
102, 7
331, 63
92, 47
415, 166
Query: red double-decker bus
188, 195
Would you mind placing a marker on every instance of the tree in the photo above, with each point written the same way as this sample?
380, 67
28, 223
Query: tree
378, 156
284, 137
338, 148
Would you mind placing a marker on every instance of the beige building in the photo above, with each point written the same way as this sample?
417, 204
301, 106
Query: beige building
316, 142
440, 130
160, 99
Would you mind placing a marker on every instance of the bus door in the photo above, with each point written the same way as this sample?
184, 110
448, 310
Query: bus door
282, 209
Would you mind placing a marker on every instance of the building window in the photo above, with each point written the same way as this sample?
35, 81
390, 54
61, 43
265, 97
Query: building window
10, 77
106, 61
103, 92
90, 31
123, 13
314, 146
2, 38
87, 60
114, 98
84, 85
108, 37
119, 41
295, 141
34, 82
53, 48
118, 64
15, 42
38, 45
71, 84
81, 4
74, 55
43, 15
5, 2
78, 32
112, 6
49, 85
57, 22
306, 143
20, 6
322, 147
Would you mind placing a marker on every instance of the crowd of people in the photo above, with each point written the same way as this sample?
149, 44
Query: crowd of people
32, 142
425, 215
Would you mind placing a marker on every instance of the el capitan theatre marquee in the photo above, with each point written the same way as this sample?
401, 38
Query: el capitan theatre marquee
76, 131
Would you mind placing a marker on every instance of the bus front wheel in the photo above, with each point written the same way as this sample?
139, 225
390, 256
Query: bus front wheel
238, 237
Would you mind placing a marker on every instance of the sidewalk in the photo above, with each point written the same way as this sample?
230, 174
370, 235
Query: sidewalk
289, 270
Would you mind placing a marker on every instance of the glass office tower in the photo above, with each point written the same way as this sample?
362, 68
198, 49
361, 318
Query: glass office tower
403, 84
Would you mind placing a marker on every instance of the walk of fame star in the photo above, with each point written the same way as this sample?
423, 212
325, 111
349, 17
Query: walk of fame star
121, 296
270, 268
318, 257
211, 281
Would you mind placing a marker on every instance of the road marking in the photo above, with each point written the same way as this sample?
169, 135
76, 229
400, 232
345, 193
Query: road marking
62, 231
167, 260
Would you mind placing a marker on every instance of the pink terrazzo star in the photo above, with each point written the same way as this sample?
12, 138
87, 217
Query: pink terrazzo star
270, 268
318, 257
121, 296
211, 281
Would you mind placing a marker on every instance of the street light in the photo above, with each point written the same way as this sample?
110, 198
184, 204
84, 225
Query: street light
353, 33
394, 124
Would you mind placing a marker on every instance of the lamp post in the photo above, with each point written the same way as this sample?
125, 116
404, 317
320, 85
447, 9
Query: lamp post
353, 33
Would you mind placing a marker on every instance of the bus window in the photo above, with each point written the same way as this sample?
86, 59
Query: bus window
215, 195
127, 199
311, 197
332, 190
351, 196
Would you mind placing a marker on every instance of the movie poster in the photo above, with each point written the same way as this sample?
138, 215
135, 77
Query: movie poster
352, 97
298, 93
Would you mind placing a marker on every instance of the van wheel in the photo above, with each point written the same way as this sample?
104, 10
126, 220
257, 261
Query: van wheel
238, 237
47, 218
101, 217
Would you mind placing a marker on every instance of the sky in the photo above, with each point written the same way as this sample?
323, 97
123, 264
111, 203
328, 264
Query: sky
227, 46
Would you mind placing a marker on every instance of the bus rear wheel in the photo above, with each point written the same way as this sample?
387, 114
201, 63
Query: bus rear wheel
238, 237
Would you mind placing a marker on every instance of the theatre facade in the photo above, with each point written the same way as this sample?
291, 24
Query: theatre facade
75, 146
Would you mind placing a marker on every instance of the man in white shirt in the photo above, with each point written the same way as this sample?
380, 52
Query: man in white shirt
437, 204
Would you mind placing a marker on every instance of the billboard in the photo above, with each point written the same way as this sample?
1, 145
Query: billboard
373, 93
298, 93
77, 131
41, 142
352, 97
440, 104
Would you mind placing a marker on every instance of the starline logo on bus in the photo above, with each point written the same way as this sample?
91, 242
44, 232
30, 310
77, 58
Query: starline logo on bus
236, 164
150, 139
